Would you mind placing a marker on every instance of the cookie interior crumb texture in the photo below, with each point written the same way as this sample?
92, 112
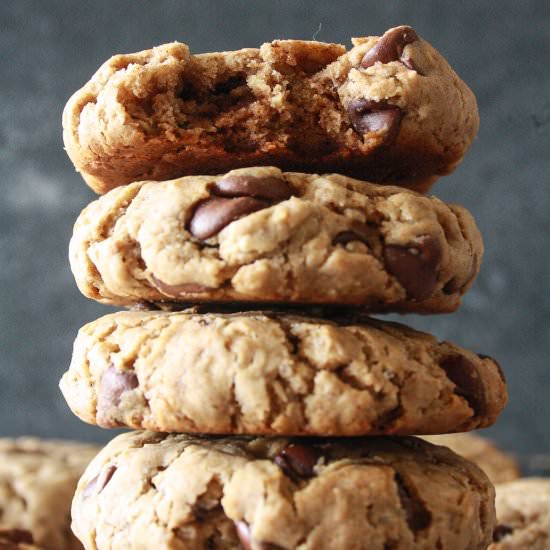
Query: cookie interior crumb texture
402, 117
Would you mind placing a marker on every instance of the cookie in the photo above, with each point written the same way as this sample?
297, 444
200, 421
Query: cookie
271, 373
37, 482
523, 513
390, 110
261, 235
498, 465
178, 491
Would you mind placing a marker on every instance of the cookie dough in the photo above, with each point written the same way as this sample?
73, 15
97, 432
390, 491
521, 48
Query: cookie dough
523, 512
37, 482
498, 465
261, 235
271, 373
178, 491
390, 110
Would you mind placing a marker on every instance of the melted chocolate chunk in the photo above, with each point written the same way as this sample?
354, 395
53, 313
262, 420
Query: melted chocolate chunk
415, 266
269, 188
98, 483
298, 461
213, 214
390, 47
418, 516
236, 197
372, 116
180, 290
112, 385
464, 374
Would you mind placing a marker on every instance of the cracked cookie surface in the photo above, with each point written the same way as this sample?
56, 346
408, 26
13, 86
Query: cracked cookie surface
499, 465
273, 373
261, 235
523, 515
391, 110
37, 482
179, 491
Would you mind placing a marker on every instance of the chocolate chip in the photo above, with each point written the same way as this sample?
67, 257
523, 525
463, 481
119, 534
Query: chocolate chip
113, 384
390, 47
269, 187
465, 376
502, 531
212, 215
16, 536
98, 483
372, 116
298, 461
418, 516
415, 266
239, 196
179, 290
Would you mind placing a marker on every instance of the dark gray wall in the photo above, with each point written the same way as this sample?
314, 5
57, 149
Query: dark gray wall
49, 49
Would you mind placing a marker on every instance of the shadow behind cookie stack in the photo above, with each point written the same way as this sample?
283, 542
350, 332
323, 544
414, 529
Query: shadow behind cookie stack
272, 412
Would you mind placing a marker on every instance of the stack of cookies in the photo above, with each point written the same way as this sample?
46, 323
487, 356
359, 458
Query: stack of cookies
278, 414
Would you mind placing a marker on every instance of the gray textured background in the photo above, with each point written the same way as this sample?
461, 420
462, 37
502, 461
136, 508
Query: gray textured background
49, 49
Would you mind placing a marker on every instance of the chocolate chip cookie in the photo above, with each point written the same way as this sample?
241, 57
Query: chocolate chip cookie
389, 110
261, 235
274, 373
37, 482
179, 491
523, 513
498, 465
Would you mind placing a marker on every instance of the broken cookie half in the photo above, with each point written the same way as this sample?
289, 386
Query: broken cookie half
391, 109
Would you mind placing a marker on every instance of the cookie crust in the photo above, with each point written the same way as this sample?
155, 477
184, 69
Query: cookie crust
178, 491
389, 249
273, 373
